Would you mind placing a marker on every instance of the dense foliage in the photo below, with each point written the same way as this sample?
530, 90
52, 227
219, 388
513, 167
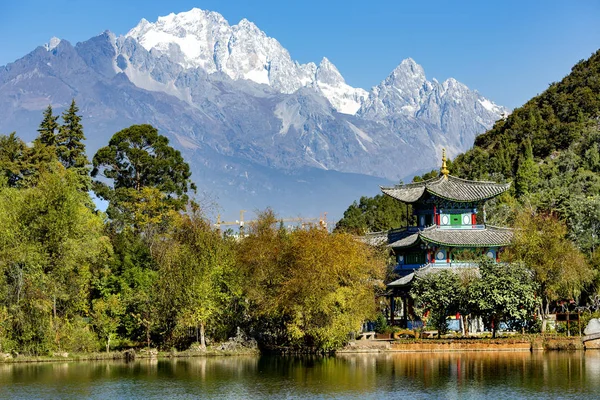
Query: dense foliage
154, 271
550, 150
315, 285
374, 214
495, 292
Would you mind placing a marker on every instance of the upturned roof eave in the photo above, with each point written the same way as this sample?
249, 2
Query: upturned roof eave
441, 243
426, 188
470, 200
423, 236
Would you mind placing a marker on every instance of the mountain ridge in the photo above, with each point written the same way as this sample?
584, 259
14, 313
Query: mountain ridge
212, 117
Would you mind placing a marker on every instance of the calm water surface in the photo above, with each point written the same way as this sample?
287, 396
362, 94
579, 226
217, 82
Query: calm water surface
384, 376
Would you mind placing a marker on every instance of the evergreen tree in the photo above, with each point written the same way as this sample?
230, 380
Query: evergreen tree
20, 165
145, 171
70, 147
527, 172
48, 128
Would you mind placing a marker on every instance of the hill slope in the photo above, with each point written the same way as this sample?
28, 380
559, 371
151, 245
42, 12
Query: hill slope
550, 149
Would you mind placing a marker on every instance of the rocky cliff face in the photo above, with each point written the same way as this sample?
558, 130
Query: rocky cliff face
204, 39
256, 126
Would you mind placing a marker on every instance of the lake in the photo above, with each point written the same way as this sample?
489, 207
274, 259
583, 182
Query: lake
475, 375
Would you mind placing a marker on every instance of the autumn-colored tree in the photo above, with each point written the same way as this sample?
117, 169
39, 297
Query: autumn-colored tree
317, 286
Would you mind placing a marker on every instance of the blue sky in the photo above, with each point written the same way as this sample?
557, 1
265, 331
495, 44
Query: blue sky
509, 50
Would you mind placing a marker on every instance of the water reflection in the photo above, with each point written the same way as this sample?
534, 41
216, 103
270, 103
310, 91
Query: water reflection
416, 375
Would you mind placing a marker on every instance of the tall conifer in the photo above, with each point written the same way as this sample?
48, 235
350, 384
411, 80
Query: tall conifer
48, 128
70, 147
527, 172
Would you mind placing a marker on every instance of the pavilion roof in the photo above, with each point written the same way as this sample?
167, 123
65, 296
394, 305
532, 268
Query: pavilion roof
486, 236
424, 270
447, 187
476, 237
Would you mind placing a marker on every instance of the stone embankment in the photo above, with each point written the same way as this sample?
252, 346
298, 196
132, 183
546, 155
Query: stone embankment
533, 343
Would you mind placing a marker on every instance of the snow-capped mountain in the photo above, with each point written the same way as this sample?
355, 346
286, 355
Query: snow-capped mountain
204, 39
256, 127
450, 106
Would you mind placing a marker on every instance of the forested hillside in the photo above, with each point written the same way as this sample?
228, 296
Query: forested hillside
549, 149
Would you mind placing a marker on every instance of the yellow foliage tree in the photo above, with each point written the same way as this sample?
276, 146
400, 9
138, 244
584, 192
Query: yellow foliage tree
315, 287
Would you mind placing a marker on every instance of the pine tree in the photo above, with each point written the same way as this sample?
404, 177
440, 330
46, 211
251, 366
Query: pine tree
48, 128
527, 173
70, 147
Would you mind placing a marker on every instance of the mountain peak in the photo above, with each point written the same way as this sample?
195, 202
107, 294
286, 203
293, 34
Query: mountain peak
410, 69
204, 39
248, 25
325, 63
54, 41
327, 73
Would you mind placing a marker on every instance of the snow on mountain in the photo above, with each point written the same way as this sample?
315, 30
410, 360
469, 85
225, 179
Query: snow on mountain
54, 41
255, 125
204, 39
343, 97
459, 112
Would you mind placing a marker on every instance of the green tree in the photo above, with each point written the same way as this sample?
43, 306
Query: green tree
20, 165
49, 128
136, 158
505, 292
14, 160
49, 243
199, 278
437, 295
374, 214
133, 275
70, 147
106, 314
584, 222
527, 171
559, 269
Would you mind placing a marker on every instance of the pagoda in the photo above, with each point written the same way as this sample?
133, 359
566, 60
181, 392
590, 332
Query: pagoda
450, 231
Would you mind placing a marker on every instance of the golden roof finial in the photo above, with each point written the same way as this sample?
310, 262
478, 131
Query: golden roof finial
444, 170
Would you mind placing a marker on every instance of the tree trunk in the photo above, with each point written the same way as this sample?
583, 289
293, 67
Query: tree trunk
465, 325
202, 339
544, 311
493, 328
108, 343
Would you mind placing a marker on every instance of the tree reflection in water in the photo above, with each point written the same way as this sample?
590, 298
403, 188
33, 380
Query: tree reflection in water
389, 375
